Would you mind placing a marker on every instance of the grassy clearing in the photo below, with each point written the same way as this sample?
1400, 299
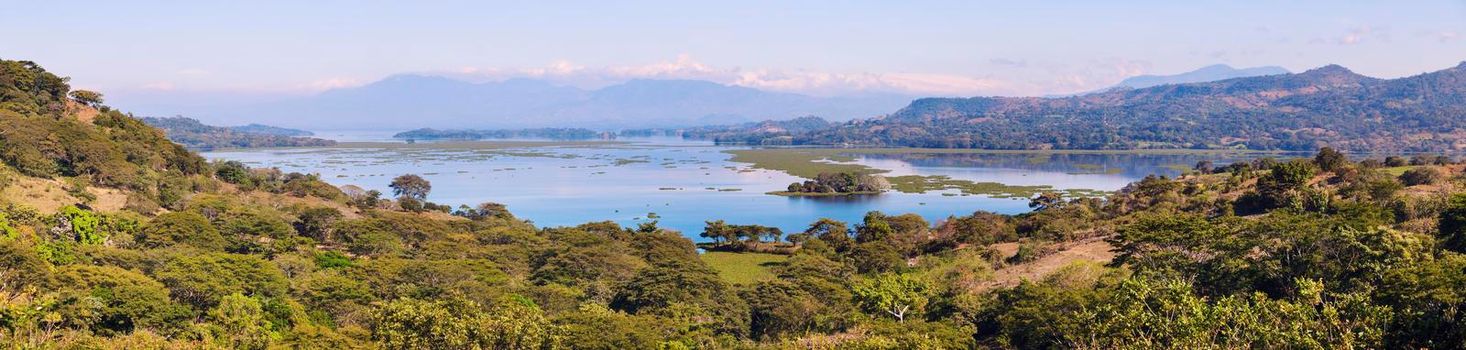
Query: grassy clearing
1398, 170
743, 268
805, 163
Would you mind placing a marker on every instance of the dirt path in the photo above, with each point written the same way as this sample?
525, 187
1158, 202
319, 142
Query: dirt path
1093, 249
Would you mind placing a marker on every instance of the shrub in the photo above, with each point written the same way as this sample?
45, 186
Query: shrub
82, 225
202, 279
332, 259
127, 300
186, 228
1421, 176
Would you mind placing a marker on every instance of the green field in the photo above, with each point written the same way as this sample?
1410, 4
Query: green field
1398, 170
743, 268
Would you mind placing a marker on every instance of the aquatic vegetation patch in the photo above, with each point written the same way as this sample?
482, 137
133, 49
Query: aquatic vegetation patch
808, 163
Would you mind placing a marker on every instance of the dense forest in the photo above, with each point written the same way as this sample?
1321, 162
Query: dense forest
1328, 106
196, 135
151, 247
472, 134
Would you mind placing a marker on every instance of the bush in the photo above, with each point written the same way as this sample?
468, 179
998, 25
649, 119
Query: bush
234, 172
126, 300
1029, 252
332, 259
202, 279
187, 228
1394, 161
411, 204
1421, 176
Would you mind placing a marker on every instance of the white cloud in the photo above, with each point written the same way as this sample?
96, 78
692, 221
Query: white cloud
801, 81
1360, 34
329, 83
1447, 36
159, 86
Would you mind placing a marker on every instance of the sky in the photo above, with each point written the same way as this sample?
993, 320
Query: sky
926, 48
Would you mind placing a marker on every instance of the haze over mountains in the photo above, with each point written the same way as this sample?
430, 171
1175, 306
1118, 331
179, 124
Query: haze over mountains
410, 101
1204, 74
415, 101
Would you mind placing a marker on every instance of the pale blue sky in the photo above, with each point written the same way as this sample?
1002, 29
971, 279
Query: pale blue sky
818, 47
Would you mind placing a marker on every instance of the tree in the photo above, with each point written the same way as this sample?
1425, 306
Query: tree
684, 288
241, 322
874, 227
1396, 161
20, 267
1204, 167
203, 279
718, 231
1421, 176
781, 307
316, 222
876, 256
1452, 225
127, 300
1046, 200
594, 326
181, 227
87, 97
980, 228
1330, 160
457, 323
898, 295
233, 172
771, 234
411, 186
484, 210
1282, 187
833, 232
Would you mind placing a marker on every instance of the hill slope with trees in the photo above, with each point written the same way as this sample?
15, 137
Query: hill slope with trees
195, 135
1327, 106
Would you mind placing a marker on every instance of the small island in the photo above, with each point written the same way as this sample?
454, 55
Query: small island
837, 184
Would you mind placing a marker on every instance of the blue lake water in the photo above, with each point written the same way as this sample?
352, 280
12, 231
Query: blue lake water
686, 183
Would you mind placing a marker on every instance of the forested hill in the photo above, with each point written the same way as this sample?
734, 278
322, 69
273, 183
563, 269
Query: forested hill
196, 135
1324, 106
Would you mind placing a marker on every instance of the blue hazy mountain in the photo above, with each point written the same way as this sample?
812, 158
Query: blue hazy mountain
415, 101
1204, 74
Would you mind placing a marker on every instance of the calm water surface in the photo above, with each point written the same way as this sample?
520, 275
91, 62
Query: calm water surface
686, 183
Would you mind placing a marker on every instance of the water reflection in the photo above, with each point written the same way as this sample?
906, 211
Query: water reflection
686, 183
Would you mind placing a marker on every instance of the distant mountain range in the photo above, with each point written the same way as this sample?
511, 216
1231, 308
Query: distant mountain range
415, 101
1327, 106
1204, 74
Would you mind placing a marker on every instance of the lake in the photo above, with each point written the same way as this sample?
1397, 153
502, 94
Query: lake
682, 183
